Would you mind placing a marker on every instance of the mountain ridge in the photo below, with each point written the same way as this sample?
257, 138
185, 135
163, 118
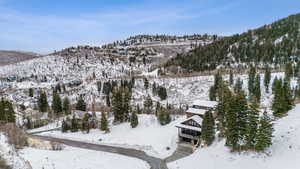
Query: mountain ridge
276, 43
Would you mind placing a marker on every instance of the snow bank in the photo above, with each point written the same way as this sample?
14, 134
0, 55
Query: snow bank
284, 153
9, 153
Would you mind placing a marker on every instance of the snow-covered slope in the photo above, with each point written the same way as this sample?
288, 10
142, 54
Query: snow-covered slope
183, 91
284, 153
75, 158
69, 69
149, 136
8, 153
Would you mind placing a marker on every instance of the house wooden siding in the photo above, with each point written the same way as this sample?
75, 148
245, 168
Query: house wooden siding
189, 130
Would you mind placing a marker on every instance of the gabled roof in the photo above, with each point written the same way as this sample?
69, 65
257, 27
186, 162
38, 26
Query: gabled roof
195, 118
196, 111
205, 103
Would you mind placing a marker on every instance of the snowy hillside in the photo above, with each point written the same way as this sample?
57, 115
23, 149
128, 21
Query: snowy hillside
68, 69
11, 156
284, 153
183, 91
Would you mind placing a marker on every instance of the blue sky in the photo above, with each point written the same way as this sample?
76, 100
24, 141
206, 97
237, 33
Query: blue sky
45, 25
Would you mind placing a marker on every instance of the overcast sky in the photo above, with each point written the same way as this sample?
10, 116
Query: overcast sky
45, 25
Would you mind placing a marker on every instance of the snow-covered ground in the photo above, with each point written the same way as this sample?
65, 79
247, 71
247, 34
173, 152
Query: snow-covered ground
184, 90
75, 158
284, 153
148, 136
62, 69
10, 155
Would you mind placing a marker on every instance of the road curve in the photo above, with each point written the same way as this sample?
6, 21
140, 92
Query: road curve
155, 163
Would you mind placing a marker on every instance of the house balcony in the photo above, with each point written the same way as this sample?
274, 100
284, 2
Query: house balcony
188, 136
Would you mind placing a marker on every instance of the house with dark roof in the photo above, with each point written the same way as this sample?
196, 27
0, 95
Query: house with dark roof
189, 130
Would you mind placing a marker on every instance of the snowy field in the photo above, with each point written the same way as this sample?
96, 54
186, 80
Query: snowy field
149, 136
284, 153
75, 158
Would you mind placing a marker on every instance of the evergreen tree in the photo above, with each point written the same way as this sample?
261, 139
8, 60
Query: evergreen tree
283, 99
7, 113
288, 72
117, 105
231, 78
85, 126
238, 87
267, 78
223, 107
232, 132
242, 113
157, 108
218, 85
66, 106
134, 121
148, 105
208, 130
164, 116
146, 83
42, 102
30, 92
81, 105
162, 93
57, 88
278, 100
64, 126
251, 80
126, 103
121, 104
99, 85
265, 133
74, 124
236, 121
256, 91
252, 126
289, 102
56, 104
212, 93
138, 110
107, 100
103, 122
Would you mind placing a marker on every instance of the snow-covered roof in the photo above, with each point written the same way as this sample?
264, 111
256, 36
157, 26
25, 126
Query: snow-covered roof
205, 103
196, 118
196, 111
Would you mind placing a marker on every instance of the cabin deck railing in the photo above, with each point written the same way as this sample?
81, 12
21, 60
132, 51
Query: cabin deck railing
188, 136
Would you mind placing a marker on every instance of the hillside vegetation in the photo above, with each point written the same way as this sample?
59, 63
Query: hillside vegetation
274, 44
9, 57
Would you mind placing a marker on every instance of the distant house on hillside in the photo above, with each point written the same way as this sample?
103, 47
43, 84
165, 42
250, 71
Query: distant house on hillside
189, 130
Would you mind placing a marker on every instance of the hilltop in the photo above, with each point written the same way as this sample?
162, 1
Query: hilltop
9, 57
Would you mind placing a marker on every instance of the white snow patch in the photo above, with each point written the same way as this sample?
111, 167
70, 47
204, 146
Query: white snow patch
148, 136
76, 158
